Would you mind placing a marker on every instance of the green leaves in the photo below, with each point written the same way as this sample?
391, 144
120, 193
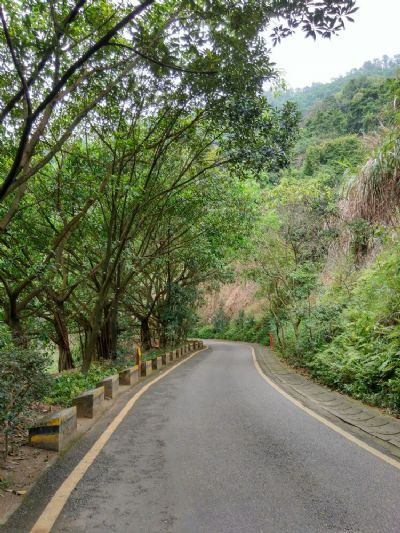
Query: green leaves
23, 380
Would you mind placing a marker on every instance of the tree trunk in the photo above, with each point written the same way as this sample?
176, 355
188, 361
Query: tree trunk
103, 342
108, 336
14, 323
65, 361
145, 334
296, 330
162, 336
103, 347
17, 334
280, 333
114, 328
91, 339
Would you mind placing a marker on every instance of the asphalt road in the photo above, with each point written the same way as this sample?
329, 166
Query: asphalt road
213, 448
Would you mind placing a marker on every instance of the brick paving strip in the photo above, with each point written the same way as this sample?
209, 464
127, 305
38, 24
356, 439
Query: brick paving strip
369, 420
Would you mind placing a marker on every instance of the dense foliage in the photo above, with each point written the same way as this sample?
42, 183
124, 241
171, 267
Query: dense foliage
24, 379
133, 136
65, 387
325, 253
310, 97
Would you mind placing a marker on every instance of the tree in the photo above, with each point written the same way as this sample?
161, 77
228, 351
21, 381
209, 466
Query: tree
290, 250
61, 60
109, 118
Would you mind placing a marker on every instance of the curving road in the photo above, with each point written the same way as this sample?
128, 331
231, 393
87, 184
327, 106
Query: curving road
213, 448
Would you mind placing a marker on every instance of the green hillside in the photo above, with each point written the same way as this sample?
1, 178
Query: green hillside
326, 250
307, 97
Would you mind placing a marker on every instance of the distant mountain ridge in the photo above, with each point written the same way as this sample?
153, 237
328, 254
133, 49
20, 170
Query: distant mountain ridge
307, 97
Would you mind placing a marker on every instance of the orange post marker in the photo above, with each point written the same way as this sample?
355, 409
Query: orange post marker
138, 356
271, 341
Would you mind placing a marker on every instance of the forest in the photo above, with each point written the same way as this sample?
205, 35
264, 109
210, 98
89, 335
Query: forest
142, 161
133, 136
325, 250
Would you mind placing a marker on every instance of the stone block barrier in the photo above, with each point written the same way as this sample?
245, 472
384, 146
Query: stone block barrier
156, 363
111, 386
129, 375
146, 368
54, 431
89, 403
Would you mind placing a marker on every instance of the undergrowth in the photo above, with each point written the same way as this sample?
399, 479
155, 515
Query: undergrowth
67, 386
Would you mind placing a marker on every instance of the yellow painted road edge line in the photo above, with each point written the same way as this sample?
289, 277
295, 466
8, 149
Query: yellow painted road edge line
56, 504
323, 420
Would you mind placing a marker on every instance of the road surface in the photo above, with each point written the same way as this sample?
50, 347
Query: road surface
213, 448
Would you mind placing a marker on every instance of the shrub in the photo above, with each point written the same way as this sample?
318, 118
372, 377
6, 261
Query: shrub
363, 358
23, 380
67, 386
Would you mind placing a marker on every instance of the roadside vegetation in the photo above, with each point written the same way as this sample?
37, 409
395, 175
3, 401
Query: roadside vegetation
133, 142
326, 251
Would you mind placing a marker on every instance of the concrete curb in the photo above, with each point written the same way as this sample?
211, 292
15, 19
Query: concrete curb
382, 428
56, 432
88, 433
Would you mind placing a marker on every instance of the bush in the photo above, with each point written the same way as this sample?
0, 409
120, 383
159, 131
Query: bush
23, 380
67, 386
363, 358
240, 328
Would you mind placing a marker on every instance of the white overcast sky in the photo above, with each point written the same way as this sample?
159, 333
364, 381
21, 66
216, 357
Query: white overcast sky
375, 32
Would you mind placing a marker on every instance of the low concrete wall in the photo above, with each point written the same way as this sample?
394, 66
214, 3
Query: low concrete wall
129, 376
89, 403
54, 431
111, 386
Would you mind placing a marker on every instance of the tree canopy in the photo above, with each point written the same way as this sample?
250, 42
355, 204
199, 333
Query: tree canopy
133, 136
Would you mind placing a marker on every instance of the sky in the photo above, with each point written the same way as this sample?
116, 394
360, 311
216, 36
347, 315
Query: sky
375, 32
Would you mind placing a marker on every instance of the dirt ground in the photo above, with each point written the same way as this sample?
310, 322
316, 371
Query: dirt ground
23, 466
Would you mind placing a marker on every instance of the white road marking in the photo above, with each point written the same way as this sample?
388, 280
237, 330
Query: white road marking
324, 421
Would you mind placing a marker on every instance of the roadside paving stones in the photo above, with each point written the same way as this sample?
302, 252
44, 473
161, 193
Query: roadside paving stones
111, 386
54, 431
368, 419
